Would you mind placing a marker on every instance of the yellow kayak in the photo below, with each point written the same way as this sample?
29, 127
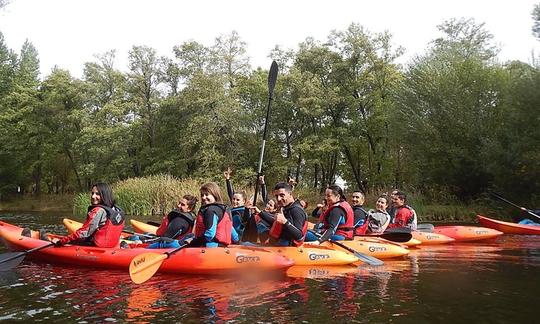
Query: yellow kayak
373, 247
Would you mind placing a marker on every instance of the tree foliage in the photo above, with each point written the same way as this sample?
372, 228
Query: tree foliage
452, 118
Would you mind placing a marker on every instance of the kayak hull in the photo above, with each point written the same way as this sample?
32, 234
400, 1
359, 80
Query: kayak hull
467, 233
141, 227
375, 247
302, 256
431, 238
187, 260
507, 227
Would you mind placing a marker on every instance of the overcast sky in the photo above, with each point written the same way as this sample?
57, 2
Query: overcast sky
68, 33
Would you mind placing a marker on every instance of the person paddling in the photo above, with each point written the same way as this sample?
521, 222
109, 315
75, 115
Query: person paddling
336, 222
288, 226
213, 226
360, 214
177, 225
405, 215
377, 220
104, 221
239, 213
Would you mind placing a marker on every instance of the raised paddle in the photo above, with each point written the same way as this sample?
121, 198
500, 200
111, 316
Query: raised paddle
10, 260
250, 232
363, 257
530, 212
145, 265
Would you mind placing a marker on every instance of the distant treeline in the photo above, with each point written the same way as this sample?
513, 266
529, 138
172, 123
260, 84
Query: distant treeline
451, 123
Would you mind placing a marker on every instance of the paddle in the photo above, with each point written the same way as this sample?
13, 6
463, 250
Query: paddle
145, 265
153, 223
428, 228
10, 260
530, 212
250, 232
364, 257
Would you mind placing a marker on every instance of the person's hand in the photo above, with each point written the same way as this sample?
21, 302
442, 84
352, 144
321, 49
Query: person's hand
313, 242
58, 243
320, 205
254, 209
261, 179
280, 218
291, 181
227, 173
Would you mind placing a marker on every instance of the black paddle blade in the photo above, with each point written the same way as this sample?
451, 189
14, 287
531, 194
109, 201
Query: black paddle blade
11, 260
272, 77
398, 237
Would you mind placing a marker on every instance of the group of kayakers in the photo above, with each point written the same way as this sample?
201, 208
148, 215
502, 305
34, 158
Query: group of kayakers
283, 221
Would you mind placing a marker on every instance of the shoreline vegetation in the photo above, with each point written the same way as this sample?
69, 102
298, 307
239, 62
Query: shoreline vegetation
153, 196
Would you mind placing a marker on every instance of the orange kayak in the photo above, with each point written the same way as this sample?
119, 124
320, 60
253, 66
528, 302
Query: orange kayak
467, 233
302, 256
507, 227
374, 247
431, 238
187, 260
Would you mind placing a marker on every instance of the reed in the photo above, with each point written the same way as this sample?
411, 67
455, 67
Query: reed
145, 196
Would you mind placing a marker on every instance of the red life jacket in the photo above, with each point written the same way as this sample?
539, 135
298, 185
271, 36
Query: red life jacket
346, 229
108, 235
277, 228
224, 225
188, 217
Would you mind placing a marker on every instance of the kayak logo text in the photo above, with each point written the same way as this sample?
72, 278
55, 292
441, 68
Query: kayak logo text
139, 261
246, 258
315, 256
377, 249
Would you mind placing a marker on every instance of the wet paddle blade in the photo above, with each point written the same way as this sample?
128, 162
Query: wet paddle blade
11, 260
145, 265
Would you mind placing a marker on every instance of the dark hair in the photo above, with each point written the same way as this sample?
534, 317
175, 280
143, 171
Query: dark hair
213, 189
385, 197
105, 192
283, 185
401, 195
191, 201
336, 190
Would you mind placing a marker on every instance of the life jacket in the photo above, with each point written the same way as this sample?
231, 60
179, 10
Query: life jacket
277, 228
345, 229
224, 225
188, 217
412, 222
108, 234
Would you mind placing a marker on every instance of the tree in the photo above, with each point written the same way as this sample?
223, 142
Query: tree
536, 19
447, 101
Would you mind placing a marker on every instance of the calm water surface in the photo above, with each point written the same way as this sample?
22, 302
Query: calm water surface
489, 282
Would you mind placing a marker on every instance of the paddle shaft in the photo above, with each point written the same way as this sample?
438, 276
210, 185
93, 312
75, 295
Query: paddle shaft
24, 253
272, 77
512, 204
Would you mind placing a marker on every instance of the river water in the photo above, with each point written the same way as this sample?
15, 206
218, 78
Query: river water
494, 281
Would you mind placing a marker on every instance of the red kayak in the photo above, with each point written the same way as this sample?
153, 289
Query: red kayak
507, 227
467, 233
187, 260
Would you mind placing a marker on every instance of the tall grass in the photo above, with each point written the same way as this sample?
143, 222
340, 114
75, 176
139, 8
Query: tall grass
152, 195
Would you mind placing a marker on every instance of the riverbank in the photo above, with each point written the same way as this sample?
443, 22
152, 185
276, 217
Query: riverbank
41, 203
64, 204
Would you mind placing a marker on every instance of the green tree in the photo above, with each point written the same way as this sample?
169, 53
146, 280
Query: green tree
447, 102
